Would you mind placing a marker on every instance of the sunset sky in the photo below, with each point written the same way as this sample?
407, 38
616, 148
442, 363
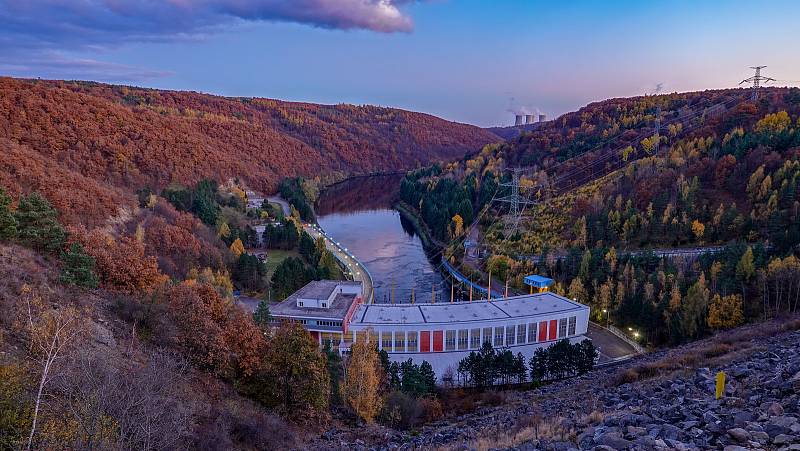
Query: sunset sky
463, 60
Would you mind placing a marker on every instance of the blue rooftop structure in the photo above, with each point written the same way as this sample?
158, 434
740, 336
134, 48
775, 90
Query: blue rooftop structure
539, 282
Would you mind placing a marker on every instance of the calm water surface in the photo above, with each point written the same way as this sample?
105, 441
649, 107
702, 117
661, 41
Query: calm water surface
358, 214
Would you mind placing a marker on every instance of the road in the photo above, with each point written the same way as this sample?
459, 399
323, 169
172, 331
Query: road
609, 345
685, 252
357, 269
287, 210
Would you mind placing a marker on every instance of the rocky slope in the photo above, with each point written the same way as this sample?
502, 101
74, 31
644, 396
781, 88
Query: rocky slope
663, 400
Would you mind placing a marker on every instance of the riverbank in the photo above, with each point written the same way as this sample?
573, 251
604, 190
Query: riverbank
430, 244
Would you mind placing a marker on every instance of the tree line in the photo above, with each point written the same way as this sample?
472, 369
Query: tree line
489, 366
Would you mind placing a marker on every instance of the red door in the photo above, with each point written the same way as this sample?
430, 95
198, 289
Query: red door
425, 341
438, 341
553, 329
543, 331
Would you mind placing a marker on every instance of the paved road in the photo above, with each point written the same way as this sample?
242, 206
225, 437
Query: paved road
610, 346
287, 211
357, 269
684, 252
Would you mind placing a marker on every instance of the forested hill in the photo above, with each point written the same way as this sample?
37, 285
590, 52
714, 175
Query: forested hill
724, 176
87, 146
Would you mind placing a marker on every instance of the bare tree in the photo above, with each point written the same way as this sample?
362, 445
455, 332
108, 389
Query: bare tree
151, 411
50, 333
116, 405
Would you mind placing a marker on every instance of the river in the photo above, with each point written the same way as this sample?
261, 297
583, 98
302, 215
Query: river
358, 213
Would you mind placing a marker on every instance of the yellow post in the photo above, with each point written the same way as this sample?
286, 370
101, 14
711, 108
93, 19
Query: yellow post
531, 289
489, 298
470, 291
452, 292
720, 384
506, 293
412, 295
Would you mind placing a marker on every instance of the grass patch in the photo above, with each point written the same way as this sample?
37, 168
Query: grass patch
719, 350
275, 257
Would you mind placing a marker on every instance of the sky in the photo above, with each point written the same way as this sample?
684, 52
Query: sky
473, 61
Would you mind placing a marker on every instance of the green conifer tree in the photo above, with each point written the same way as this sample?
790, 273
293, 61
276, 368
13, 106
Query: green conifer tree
78, 267
8, 223
38, 225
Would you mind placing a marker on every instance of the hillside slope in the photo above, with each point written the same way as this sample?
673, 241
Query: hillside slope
87, 144
663, 400
724, 172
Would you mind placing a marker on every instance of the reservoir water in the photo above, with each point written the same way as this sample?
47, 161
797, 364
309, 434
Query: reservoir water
358, 213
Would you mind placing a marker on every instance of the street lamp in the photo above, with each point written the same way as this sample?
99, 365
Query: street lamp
608, 314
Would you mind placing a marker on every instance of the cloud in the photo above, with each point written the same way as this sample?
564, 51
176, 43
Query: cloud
101, 23
37, 35
57, 65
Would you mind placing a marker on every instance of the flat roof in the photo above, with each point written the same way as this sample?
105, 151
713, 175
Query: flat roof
318, 289
525, 306
538, 281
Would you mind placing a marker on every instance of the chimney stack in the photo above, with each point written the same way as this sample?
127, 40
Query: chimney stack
519, 119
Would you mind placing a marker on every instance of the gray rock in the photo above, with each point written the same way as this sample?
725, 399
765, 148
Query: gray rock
760, 437
614, 440
784, 439
775, 409
735, 448
739, 434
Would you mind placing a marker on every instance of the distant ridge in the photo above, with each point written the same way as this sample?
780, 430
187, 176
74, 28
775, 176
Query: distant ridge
89, 146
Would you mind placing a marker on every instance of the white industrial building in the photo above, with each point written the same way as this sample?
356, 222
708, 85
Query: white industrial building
440, 333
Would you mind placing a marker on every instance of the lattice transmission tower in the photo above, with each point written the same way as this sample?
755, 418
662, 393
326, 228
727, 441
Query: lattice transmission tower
756, 80
516, 200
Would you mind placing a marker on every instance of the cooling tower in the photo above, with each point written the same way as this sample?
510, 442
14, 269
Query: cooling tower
530, 119
542, 118
520, 119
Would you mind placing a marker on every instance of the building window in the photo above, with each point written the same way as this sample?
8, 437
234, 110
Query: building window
531, 332
487, 335
572, 323
412, 341
498, 336
520, 334
386, 343
324, 305
399, 341
450, 340
299, 303
562, 328
510, 336
475, 339
463, 339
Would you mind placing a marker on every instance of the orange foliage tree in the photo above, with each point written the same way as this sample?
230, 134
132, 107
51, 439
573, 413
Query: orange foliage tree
122, 264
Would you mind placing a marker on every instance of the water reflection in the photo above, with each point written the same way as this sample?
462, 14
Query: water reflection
358, 214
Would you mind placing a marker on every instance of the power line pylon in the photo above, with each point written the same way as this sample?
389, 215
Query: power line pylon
756, 80
518, 202
657, 135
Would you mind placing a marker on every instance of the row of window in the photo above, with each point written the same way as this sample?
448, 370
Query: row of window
307, 322
468, 339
